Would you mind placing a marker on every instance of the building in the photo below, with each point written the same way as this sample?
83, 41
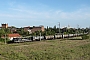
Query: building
67, 27
11, 28
34, 28
29, 29
11, 36
4, 25
40, 28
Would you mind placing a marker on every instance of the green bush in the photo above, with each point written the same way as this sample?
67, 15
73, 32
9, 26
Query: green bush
85, 37
2, 40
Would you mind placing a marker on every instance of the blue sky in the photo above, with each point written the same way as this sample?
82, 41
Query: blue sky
22, 13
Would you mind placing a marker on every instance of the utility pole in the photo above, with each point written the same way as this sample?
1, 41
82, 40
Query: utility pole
59, 28
77, 29
5, 38
89, 32
40, 36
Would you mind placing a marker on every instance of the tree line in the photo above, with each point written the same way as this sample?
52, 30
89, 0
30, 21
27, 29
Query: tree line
48, 31
54, 30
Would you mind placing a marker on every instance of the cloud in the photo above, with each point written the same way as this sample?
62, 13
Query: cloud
11, 3
80, 14
26, 14
75, 15
50, 16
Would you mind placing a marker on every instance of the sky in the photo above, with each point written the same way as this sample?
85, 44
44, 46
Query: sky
21, 13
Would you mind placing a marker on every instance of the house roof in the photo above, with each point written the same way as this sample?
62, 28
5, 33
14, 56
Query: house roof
13, 35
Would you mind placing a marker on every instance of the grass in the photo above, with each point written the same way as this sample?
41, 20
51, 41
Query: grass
75, 38
46, 50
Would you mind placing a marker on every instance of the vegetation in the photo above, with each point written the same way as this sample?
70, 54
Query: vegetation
54, 30
4, 31
48, 31
22, 32
85, 37
47, 50
2, 40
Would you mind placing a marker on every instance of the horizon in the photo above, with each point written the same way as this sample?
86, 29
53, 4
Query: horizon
47, 26
20, 13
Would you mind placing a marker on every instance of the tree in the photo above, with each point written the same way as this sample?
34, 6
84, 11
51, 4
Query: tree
26, 33
2, 32
7, 31
13, 26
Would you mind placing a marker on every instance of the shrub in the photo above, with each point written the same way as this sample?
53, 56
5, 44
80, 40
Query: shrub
2, 40
85, 37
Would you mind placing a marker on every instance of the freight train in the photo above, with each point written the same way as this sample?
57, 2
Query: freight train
50, 37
